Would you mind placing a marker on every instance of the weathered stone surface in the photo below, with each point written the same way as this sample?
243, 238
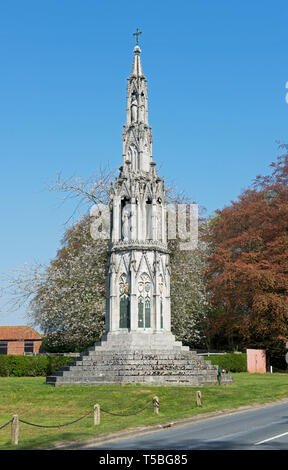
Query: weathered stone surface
104, 364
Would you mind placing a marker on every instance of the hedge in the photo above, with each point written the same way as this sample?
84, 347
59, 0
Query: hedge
230, 362
31, 366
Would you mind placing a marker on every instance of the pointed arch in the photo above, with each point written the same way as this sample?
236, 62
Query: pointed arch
125, 191
132, 156
124, 303
144, 267
144, 301
123, 268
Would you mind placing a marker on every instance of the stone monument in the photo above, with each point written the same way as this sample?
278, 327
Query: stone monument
138, 346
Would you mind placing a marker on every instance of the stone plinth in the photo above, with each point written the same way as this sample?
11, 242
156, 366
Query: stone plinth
138, 358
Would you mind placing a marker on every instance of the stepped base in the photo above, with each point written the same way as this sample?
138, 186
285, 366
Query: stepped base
145, 358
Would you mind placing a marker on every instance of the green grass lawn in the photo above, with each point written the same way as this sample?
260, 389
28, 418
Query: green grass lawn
34, 401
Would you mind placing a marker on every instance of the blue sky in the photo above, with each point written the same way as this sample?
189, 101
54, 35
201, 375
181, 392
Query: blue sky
216, 80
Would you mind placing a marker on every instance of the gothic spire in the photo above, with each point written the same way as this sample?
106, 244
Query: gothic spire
137, 66
137, 136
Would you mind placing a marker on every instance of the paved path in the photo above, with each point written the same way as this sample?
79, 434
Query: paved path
257, 429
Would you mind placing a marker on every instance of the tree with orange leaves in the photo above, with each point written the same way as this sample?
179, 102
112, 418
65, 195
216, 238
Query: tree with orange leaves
247, 268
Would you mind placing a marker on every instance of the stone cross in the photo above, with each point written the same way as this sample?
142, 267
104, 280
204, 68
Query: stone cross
137, 34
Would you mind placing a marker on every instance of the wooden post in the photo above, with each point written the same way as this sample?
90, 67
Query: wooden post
15, 429
96, 414
199, 398
156, 405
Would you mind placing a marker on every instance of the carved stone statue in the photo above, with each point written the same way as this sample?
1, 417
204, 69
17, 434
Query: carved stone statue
141, 108
126, 222
159, 222
134, 108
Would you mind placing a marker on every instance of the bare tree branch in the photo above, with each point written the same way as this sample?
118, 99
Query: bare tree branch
92, 190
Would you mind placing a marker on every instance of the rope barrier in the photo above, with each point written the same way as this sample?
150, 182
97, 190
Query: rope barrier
127, 414
55, 426
16, 420
76, 420
6, 424
82, 417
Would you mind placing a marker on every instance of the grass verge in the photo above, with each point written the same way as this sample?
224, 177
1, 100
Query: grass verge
35, 402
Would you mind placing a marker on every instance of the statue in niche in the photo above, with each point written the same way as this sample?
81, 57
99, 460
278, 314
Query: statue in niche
149, 234
159, 222
141, 107
134, 108
126, 222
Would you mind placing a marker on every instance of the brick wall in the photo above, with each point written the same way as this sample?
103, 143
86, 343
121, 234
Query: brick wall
37, 346
17, 347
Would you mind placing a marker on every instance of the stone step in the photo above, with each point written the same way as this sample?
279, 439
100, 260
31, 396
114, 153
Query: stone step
128, 358
122, 364
125, 350
129, 372
152, 380
140, 358
131, 362
138, 366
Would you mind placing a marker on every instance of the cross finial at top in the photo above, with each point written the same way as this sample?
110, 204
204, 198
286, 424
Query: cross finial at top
137, 34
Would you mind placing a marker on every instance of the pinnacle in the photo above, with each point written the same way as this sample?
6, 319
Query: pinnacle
137, 50
137, 66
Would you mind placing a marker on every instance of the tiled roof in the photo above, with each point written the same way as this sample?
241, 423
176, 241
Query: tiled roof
18, 332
